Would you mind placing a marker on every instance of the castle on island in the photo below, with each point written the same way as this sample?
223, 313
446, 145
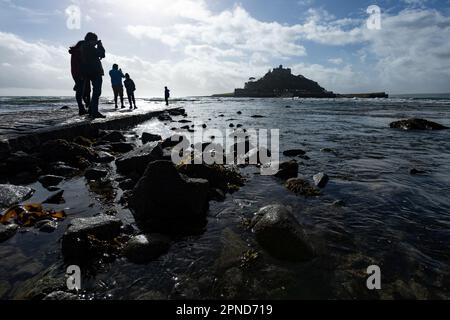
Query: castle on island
280, 82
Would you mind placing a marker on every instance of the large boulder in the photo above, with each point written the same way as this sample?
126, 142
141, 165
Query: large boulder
279, 232
149, 137
145, 248
50, 180
76, 243
417, 124
138, 160
62, 150
104, 157
321, 179
122, 147
287, 170
21, 161
11, 194
165, 201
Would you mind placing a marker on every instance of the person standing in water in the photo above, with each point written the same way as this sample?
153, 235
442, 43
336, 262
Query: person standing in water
166, 95
92, 51
131, 88
116, 75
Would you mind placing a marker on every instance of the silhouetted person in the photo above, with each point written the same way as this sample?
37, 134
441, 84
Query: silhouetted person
116, 75
82, 87
131, 88
92, 52
166, 95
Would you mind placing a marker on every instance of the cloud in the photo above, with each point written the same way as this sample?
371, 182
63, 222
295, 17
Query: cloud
336, 61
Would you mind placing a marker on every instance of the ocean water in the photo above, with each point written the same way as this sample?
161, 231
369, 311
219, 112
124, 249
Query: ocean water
392, 219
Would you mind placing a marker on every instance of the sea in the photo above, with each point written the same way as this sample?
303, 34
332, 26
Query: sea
372, 211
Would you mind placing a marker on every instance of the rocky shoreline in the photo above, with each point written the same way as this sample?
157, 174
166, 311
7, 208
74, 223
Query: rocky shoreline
167, 201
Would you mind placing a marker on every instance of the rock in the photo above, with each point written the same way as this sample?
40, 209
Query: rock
175, 201
173, 141
177, 112
239, 126
257, 116
104, 157
122, 147
138, 160
294, 153
145, 248
61, 295
56, 198
279, 232
217, 194
204, 126
231, 125
5, 149
321, 179
11, 194
184, 121
82, 141
218, 176
415, 171
301, 187
287, 170
61, 169
49, 227
21, 161
239, 112
127, 184
62, 150
64, 108
114, 136
186, 127
75, 242
165, 117
7, 231
148, 137
50, 180
95, 174
417, 124
339, 203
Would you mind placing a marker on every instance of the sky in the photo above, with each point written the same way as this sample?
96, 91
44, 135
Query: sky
202, 47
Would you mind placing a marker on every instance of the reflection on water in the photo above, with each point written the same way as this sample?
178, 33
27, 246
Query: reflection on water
398, 221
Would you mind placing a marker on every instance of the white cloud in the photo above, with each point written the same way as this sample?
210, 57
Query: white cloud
336, 61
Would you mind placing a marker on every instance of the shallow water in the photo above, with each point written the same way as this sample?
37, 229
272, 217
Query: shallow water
392, 219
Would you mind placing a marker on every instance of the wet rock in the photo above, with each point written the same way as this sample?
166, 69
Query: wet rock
415, 171
138, 160
204, 126
61, 295
50, 180
95, 174
114, 136
185, 127
5, 149
417, 124
11, 194
231, 125
75, 242
239, 112
165, 117
122, 147
339, 203
257, 116
49, 227
7, 231
221, 115
217, 194
175, 201
279, 232
21, 161
61, 169
145, 248
127, 184
294, 153
288, 169
82, 141
301, 187
149, 137
104, 157
321, 179
177, 112
173, 141
62, 150
184, 121
56, 198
